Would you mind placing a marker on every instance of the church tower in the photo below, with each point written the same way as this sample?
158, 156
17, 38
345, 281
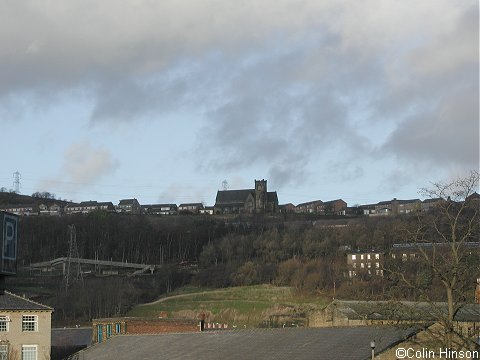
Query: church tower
260, 195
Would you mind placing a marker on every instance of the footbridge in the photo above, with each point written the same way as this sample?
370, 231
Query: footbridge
99, 266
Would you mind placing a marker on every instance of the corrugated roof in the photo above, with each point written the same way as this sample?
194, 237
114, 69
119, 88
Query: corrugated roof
265, 344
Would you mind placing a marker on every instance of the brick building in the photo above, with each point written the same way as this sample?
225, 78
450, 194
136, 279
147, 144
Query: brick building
105, 328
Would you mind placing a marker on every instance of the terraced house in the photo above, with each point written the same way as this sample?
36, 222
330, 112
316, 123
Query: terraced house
25, 328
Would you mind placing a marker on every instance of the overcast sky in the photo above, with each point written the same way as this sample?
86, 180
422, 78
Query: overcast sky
364, 100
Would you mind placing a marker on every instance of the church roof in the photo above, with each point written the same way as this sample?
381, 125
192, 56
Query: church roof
233, 197
272, 197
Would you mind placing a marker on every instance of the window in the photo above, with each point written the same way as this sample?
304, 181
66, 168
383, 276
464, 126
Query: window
4, 320
99, 333
29, 323
362, 265
361, 257
354, 257
3, 352
377, 265
369, 265
29, 352
368, 256
117, 328
109, 330
354, 265
377, 256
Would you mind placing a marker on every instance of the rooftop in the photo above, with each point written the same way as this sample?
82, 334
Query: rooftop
291, 343
9, 301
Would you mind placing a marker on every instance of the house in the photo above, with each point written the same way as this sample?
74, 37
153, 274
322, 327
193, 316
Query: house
43, 209
398, 207
21, 209
287, 208
86, 207
25, 328
334, 207
365, 263
473, 197
266, 344
429, 204
257, 200
368, 209
207, 210
160, 209
104, 329
53, 209
193, 208
129, 206
311, 207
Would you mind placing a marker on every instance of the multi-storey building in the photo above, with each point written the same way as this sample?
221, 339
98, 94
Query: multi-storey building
365, 263
25, 328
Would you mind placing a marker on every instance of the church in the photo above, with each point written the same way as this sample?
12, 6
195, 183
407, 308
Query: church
257, 200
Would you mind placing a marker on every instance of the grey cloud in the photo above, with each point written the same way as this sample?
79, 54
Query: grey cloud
278, 83
449, 134
440, 96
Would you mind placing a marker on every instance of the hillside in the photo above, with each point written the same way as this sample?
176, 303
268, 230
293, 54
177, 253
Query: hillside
243, 306
11, 198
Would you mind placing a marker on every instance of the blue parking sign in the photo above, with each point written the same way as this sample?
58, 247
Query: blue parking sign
8, 245
10, 238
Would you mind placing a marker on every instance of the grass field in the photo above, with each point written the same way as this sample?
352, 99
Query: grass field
246, 306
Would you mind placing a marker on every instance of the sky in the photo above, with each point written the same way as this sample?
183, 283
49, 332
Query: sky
364, 100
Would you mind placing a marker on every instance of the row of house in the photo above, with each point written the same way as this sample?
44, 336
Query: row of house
391, 207
256, 200
127, 206
332, 207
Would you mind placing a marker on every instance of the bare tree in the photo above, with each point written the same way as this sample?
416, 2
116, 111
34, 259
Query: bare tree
446, 242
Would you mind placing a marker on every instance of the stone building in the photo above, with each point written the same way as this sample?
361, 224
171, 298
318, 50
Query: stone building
25, 328
257, 200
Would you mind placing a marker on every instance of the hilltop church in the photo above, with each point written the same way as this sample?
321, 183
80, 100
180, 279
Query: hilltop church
257, 200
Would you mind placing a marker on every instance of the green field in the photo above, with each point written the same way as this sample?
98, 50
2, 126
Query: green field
246, 306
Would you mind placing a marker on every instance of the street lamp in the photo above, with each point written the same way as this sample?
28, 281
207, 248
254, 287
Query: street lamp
372, 346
